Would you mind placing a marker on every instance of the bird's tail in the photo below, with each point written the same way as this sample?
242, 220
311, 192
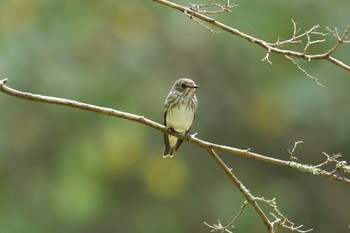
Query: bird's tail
168, 151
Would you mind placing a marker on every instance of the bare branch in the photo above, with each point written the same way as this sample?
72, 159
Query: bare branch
274, 47
304, 71
280, 220
140, 119
246, 193
220, 228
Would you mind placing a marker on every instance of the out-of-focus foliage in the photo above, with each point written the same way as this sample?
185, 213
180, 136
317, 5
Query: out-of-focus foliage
66, 170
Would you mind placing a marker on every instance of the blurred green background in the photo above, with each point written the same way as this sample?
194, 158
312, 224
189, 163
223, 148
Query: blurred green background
67, 170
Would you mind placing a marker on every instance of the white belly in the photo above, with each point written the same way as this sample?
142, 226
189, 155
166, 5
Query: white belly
180, 119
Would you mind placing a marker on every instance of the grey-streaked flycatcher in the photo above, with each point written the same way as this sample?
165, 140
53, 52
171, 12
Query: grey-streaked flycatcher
180, 108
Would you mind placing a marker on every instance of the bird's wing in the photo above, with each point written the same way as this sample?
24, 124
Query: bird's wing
166, 139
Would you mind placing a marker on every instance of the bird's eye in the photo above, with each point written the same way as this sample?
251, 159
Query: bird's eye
183, 86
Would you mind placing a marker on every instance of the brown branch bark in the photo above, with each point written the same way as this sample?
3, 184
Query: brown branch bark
140, 119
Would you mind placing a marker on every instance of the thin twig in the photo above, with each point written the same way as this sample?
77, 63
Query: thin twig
330, 159
215, 8
201, 23
246, 193
304, 71
340, 39
220, 228
267, 57
280, 219
291, 152
339, 165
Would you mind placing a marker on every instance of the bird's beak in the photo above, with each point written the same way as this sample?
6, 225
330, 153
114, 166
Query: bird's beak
194, 86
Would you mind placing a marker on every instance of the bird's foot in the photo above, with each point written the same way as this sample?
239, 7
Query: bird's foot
171, 131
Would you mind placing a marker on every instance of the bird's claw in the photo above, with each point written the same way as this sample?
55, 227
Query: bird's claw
171, 131
186, 134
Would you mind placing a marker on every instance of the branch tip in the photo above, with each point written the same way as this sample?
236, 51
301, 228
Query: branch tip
3, 81
304, 71
266, 58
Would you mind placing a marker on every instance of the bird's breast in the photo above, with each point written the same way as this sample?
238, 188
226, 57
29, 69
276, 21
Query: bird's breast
180, 118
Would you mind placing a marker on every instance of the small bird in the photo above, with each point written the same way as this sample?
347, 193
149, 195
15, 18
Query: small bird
180, 108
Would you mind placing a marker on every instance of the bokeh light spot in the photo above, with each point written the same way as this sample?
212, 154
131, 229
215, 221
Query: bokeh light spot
132, 22
16, 15
121, 149
165, 178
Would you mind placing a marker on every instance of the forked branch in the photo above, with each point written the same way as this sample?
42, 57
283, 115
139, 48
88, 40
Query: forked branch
140, 119
279, 47
272, 226
279, 221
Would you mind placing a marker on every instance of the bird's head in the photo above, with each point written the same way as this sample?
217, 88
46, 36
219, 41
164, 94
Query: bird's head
185, 85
